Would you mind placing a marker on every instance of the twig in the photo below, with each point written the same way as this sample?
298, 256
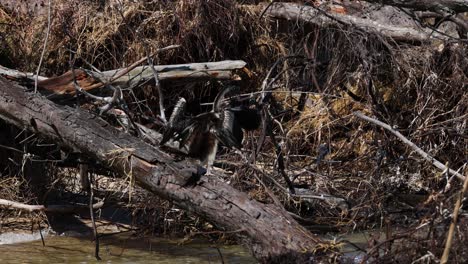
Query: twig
91, 213
157, 84
220, 255
116, 99
264, 10
389, 240
280, 159
448, 244
265, 82
40, 233
11, 148
267, 130
322, 197
268, 191
425, 259
421, 152
279, 152
44, 48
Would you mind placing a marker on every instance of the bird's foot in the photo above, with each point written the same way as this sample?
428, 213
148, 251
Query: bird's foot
195, 177
209, 172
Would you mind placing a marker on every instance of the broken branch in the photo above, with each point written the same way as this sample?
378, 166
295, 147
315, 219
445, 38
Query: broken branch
48, 208
421, 152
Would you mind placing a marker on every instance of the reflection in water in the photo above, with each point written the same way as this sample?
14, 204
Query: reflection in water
121, 249
12, 237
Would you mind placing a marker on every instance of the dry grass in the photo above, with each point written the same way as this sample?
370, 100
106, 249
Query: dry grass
419, 90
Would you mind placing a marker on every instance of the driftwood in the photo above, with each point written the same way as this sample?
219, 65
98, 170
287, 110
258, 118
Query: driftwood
313, 15
48, 208
272, 232
207, 70
89, 80
18, 75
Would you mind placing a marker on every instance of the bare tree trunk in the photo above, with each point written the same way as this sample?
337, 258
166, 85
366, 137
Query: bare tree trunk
272, 233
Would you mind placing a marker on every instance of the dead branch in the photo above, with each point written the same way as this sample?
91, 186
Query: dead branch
91, 213
425, 155
322, 18
157, 84
126, 70
17, 75
45, 46
448, 244
90, 80
48, 208
216, 70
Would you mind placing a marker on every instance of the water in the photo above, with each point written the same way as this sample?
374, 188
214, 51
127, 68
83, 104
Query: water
127, 248
122, 248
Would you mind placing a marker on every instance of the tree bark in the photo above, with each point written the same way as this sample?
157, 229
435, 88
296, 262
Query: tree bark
272, 233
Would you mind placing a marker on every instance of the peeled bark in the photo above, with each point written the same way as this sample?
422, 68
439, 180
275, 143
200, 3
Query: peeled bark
272, 233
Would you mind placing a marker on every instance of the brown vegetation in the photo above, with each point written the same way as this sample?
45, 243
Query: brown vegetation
323, 74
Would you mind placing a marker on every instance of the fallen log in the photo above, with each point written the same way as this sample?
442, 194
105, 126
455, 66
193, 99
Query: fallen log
17, 75
273, 234
458, 6
88, 80
316, 16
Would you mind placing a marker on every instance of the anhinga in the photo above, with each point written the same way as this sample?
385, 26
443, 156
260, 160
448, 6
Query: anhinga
200, 134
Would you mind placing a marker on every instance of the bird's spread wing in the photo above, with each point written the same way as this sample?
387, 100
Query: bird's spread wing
225, 122
177, 113
219, 103
228, 130
177, 122
186, 132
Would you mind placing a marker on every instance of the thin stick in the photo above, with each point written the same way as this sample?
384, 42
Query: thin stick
448, 244
91, 213
268, 191
421, 152
40, 232
44, 48
220, 255
157, 84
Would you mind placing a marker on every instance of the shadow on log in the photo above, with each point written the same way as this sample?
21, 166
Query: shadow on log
273, 235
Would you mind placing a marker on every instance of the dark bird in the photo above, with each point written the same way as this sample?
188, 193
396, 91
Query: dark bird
199, 135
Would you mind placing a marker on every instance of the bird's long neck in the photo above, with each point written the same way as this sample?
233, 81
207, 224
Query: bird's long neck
211, 156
